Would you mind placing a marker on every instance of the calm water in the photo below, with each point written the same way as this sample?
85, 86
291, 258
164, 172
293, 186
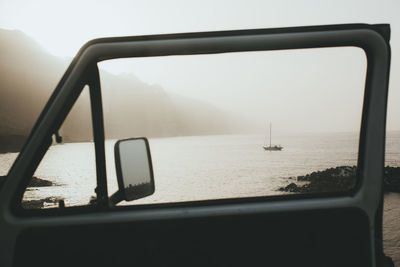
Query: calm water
202, 167
212, 167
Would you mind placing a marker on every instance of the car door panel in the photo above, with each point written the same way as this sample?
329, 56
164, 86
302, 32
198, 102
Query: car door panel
337, 237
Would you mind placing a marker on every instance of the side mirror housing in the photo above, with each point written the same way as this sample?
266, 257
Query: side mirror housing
134, 168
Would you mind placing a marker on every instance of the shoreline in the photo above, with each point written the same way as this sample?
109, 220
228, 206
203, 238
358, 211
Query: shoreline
338, 179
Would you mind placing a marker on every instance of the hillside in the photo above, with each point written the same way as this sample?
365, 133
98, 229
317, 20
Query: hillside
27, 77
132, 108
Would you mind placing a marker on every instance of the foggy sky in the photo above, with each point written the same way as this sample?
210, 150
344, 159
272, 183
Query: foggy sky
308, 90
331, 102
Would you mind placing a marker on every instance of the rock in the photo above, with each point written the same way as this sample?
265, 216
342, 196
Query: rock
301, 178
34, 182
340, 179
330, 180
292, 187
37, 182
391, 181
40, 203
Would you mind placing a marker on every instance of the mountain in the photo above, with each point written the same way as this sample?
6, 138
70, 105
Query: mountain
28, 75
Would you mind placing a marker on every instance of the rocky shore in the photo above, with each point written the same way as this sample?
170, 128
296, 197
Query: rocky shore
37, 182
392, 179
34, 182
338, 179
39, 203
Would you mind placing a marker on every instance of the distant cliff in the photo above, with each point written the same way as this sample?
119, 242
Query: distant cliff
28, 75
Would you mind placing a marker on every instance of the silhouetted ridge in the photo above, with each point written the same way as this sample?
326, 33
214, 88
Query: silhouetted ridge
132, 108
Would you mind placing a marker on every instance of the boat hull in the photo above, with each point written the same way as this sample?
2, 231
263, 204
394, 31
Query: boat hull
272, 148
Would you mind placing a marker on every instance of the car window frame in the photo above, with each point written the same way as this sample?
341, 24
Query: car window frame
372, 39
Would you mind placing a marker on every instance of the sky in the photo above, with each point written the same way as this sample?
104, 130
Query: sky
296, 90
62, 27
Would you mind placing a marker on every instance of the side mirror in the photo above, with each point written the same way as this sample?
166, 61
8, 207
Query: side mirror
134, 169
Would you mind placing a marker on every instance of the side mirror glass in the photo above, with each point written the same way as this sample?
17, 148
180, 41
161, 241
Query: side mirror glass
134, 168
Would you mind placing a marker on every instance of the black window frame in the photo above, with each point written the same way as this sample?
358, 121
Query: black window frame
373, 39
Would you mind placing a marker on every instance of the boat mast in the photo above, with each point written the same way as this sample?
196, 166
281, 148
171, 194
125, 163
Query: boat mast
265, 139
270, 127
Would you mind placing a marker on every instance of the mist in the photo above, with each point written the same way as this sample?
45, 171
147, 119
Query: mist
307, 90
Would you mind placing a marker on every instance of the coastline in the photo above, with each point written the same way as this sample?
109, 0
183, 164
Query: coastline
338, 179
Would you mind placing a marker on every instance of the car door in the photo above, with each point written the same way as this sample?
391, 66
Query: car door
337, 229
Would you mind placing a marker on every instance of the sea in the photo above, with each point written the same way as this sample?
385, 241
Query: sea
191, 168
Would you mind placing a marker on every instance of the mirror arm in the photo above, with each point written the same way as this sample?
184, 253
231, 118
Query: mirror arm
116, 198
58, 137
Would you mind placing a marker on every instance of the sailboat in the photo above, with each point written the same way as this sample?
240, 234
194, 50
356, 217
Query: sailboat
270, 147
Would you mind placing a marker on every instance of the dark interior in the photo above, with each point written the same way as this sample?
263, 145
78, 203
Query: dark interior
318, 238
